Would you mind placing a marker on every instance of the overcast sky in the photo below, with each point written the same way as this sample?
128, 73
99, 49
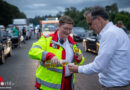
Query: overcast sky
34, 8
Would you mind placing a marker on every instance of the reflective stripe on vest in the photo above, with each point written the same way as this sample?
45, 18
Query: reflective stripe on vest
47, 84
52, 69
37, 46
44, 53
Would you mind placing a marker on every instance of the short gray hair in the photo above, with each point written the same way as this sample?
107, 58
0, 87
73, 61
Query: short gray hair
97, 11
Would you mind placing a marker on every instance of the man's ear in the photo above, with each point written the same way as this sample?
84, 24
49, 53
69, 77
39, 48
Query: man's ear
100, 18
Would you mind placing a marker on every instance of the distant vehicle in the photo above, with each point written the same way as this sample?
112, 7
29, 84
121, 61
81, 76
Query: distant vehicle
10, 26
78, 33
23, 23
31, 27
28, 32
9, 30
91, 42
20, 21
1, 27
5, 46
49, 25
16, 41
129, 35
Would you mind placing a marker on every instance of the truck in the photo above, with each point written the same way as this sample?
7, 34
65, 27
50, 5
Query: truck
49, 25
20, 21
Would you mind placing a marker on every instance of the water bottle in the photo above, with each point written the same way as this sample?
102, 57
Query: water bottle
49, 65
76, 51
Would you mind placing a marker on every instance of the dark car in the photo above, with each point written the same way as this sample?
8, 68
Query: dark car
129, 35
16, 40
78, 33
5, 46
91, 42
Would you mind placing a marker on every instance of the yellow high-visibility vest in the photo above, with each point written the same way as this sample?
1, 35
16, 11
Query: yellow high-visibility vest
50, 78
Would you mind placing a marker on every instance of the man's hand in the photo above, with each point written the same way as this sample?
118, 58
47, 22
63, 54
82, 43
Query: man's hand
73, 68
55, 61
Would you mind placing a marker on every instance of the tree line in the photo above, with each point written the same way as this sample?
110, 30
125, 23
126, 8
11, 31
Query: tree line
8, 12
79, 19
114, 15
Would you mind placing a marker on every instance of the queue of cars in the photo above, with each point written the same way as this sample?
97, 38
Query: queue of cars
5, 45
78, 33
7, 42
90, 40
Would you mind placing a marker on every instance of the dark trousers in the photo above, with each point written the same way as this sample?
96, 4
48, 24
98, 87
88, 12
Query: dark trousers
24, 38
127, 87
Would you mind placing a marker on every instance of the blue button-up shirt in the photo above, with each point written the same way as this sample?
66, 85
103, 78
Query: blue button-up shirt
113, 60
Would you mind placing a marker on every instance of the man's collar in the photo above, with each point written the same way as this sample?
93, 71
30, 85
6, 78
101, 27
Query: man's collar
105, 28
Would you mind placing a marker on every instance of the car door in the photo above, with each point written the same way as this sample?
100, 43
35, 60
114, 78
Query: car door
8, 45
5, 42
0, 43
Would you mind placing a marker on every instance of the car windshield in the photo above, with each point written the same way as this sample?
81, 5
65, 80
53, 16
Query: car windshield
50, 26
78, 30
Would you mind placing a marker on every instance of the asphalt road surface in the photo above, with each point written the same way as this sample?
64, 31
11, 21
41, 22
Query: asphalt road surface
18, 72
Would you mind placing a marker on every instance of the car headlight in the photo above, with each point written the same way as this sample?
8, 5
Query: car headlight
84, 40
97, 43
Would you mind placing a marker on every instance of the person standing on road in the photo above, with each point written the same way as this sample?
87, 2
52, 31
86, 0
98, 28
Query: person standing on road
24, 34
113, 59
121, 25
54, 48
15, 31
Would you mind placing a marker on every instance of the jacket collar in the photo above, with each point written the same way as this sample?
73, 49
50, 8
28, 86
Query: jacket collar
55, 37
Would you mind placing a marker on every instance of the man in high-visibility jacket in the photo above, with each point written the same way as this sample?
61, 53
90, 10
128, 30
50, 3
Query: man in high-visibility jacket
55, 47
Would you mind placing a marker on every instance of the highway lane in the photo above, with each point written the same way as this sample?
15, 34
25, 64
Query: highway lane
20, 70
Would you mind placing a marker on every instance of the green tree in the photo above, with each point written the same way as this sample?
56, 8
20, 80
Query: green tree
77, 16
112, 10
9, 12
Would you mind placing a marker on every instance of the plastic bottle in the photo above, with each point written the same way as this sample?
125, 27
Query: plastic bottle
62, 63
76, 51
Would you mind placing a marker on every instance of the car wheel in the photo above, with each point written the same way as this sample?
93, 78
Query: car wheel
2, 59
